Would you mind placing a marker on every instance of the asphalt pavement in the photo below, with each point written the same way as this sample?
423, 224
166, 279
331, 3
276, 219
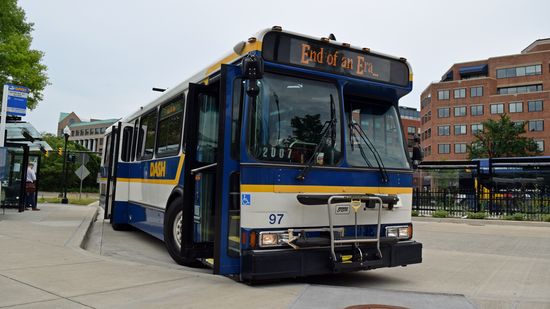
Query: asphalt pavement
42, 265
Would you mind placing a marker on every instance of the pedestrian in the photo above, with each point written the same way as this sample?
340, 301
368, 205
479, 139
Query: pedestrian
30, 188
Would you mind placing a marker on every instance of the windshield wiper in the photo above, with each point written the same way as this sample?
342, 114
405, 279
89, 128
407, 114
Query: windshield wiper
372, 148
278, 116
361, 150
328, 127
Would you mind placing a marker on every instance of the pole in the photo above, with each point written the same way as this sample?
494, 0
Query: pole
64, 200
3, 116
80, 194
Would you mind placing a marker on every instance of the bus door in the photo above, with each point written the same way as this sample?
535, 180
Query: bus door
227, 242
112, 157
201, 154
208, 169
108, 170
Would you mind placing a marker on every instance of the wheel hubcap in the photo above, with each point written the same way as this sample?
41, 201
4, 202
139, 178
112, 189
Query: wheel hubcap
176, 229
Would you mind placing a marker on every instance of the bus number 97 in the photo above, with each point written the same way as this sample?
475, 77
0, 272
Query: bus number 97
275, 218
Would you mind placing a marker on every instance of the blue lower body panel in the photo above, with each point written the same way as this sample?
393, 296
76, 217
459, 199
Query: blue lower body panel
148, 220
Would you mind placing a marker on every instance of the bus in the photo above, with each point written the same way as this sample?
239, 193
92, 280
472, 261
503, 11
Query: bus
286, 158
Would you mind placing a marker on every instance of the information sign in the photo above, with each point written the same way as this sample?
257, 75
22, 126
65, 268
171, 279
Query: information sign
17, 100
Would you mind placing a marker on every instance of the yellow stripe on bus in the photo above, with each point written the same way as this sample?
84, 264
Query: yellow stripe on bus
324, 189
257, 45
172, 182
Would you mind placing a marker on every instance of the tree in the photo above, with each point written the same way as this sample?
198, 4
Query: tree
502, 138
19, 64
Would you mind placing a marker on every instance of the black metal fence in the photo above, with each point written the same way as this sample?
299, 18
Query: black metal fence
501, 204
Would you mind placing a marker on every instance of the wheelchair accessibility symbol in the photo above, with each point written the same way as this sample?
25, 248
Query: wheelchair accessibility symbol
245, 199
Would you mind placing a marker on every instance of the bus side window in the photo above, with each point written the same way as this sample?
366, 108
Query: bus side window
148, 128
170, 129
107, 150
135, 137
126, 144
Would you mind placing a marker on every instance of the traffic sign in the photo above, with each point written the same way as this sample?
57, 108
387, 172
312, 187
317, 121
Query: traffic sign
82, 172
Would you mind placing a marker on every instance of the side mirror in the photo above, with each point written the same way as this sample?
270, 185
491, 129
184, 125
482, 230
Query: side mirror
253, 69
417, 154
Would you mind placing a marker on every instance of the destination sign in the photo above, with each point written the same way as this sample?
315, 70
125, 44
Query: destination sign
293, 50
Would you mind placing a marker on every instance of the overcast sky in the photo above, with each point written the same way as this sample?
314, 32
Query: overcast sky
104, 56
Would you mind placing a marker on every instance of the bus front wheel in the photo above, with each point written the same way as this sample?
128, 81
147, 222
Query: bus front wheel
173, 221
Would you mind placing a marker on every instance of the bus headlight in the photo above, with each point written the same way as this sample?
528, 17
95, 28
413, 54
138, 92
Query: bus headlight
271, 239
399, 232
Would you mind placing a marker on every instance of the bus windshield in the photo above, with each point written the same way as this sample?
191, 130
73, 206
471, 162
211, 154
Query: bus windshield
291, 116
380, 124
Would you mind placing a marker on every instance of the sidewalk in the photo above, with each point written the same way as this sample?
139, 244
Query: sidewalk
43, 266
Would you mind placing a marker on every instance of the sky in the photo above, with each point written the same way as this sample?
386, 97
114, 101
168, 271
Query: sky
104, 56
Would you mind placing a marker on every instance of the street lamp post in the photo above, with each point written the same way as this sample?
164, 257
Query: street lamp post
66, 134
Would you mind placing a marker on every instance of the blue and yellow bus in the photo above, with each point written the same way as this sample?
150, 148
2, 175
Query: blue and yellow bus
286, 158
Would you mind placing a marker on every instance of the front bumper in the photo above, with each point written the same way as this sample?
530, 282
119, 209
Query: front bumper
288, 263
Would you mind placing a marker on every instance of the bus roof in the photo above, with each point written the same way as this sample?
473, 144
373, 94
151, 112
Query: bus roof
240, 50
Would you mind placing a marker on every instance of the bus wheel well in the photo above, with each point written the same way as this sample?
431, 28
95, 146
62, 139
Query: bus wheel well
172, 198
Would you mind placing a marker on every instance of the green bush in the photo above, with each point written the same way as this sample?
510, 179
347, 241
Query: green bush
414, 213
546, 218
440, 214
515, 217
477, 215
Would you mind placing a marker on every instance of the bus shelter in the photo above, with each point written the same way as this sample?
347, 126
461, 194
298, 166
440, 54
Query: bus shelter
23, 145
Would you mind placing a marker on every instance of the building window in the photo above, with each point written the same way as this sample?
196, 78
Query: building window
444, 148
460, 111
426, 101
519, 123
515, 107
460, 148
520, 71
428, 150
536, 125
535, 106
443, 112
476, 91
497, 108
519, 89
443, 95
411, 130
460, 129
476, 110
477, 127
460, 93
443, 130
540, 144
427, 134
427, 117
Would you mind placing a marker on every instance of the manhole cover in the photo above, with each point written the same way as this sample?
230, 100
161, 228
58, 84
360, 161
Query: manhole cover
374, 306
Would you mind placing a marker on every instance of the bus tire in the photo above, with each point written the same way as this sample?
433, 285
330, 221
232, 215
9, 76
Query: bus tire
172, 215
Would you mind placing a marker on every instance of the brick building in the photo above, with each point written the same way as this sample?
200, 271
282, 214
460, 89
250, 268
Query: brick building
86, 133
472, 92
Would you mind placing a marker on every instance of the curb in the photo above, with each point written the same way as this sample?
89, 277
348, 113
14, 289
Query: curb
81, 234
483, 222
